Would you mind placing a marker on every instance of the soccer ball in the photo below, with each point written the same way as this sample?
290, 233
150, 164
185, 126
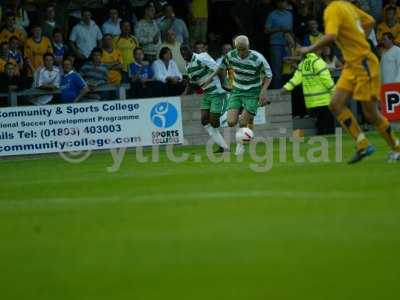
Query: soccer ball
244, 135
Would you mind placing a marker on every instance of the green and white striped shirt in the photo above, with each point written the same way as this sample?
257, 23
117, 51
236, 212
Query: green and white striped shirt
199, 70
250, 72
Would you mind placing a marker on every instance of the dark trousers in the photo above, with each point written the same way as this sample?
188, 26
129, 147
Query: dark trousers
325, 123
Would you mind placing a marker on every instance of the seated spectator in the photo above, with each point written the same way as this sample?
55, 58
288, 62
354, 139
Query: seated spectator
199, 47
60, 49
174, 46
85, 36
50, 23
113, 24
390, 62
148, 33
313, 33
142, 80
224, 51
167, 72
5, 58
279, 22
332, 62
11, 29
391, 24
35, 47
46, 78
170, 22
15, 52
126, 43
95, 73
112, 58
10, 80
73, 88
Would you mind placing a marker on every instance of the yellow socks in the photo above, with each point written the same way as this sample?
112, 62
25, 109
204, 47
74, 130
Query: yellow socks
349, 122
386, 131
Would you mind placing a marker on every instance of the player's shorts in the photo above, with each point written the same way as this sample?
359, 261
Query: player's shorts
362, 78
213, 103
247, 100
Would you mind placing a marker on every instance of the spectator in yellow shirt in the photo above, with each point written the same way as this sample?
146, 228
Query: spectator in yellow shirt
113, 59
11, 29
35, 47
391, 24
126, 43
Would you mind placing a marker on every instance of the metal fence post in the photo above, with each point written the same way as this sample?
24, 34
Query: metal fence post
12, 99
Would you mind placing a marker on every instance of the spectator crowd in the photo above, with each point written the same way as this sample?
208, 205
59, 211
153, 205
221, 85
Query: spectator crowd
78, 46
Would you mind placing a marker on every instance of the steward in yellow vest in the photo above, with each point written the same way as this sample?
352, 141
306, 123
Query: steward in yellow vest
316, 79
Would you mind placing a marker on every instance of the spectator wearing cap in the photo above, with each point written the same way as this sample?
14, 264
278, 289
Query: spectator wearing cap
174, 46
148, 33
50, 24
11, 29
35, 47
72, 87
85, 36
279, 22
113, 24
46, 78
170, 22
112, 58
390, 61
126, 43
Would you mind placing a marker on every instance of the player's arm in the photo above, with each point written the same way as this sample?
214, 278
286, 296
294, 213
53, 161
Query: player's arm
267, 72
326, 40
367, 21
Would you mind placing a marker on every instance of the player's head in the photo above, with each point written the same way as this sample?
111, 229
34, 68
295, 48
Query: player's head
387, 40
187, 52
242, 44
198, 47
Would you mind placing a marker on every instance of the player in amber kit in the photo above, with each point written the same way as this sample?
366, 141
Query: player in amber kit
349, 27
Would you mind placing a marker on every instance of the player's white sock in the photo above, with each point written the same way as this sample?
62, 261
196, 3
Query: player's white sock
239, 149
216, 136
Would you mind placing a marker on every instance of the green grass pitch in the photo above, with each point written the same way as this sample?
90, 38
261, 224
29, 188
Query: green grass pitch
199, 230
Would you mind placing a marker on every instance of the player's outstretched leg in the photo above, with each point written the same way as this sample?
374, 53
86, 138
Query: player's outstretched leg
210, 123
383, 126
347, 120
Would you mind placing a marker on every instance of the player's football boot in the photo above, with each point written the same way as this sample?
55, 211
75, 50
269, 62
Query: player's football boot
361, 154
394, 157
222, 150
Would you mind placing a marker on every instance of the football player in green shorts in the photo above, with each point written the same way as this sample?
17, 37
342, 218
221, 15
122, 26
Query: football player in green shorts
252, 77
199, 69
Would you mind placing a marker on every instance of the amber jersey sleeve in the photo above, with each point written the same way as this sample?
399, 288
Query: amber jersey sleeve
347, 22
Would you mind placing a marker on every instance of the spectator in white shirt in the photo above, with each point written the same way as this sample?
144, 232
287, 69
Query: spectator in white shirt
46, 78
113, 25
167, 72
390, 62
85, 36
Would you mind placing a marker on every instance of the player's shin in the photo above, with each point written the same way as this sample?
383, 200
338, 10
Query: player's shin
216, 136
350, 124
385, 129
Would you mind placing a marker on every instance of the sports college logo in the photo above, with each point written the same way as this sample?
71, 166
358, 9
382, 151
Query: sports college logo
164, 115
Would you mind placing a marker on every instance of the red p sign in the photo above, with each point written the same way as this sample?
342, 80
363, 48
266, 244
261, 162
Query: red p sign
390, 101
